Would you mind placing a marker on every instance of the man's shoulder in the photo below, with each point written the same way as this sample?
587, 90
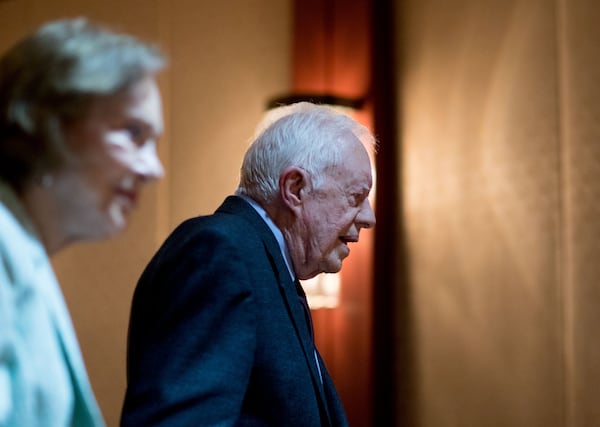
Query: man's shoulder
233, 214
217, 228
218, 222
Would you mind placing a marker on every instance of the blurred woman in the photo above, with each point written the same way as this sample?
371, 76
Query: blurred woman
80, 115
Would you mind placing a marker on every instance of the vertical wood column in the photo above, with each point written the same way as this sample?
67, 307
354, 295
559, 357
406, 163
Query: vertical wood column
331, 55
579, 72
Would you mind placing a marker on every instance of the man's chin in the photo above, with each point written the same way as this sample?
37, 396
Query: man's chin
334, 266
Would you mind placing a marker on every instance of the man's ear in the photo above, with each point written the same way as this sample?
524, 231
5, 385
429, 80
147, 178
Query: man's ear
293, 183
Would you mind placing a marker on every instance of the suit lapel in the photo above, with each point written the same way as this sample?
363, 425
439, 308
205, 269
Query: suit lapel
86, 411
287, 289
296, 312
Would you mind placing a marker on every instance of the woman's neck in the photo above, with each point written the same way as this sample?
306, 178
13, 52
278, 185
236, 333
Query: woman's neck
43, 212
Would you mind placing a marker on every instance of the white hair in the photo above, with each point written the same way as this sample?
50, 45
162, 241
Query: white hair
306, 135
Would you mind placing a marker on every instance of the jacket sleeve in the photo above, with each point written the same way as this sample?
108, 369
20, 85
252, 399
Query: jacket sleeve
15, 404
6, 350
192, 334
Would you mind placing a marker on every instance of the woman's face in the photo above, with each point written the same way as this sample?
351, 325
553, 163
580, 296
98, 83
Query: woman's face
114, 148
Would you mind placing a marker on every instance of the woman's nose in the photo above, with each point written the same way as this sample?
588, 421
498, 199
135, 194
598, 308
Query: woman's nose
149, 165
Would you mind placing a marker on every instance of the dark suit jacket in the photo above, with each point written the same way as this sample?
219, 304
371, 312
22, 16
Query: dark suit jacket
217, 334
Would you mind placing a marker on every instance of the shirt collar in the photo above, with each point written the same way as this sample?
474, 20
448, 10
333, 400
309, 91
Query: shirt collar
276, 232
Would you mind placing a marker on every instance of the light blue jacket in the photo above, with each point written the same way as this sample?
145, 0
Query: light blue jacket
43, 381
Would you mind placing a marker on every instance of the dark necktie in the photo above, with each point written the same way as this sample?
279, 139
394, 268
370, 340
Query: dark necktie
307, 315
306, 308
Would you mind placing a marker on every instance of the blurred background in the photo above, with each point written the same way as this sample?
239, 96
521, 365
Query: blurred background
475, 300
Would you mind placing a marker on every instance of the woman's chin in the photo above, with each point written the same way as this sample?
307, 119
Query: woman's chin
117, 228
117, 221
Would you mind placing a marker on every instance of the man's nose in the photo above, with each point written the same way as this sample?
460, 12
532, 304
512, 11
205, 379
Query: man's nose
366, 216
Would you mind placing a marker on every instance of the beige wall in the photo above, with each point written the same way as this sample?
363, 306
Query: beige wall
500, 105
226, 60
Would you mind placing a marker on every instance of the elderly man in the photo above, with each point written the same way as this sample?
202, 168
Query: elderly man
220, 333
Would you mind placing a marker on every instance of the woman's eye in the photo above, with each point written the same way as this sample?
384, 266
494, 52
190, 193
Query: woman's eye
134, 130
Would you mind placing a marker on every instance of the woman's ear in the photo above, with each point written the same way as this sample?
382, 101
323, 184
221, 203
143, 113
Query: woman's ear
293, 183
